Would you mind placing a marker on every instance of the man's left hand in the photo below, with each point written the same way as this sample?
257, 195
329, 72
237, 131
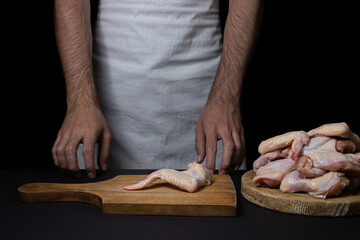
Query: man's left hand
220, 120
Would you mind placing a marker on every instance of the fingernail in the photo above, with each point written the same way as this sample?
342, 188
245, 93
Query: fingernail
91, 175
198, 158
222, 172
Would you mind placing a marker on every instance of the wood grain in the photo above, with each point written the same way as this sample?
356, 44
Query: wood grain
346, 204
160, 198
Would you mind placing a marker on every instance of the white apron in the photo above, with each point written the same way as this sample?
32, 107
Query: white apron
154, 64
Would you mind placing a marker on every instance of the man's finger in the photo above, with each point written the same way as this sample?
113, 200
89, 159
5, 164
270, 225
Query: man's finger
71, 154
88, 154
60, 151
239, 142
104, 149
211, 148
53, 152
200, 143
228, 152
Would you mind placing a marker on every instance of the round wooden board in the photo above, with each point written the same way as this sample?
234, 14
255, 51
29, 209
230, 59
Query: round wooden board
346, 204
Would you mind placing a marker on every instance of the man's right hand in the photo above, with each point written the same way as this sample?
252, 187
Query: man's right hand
85, 125
84, 121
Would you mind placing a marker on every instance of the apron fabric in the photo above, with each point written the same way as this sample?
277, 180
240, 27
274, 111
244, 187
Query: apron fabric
154, 63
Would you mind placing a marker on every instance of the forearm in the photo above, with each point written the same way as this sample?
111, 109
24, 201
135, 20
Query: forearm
74, 41
239, 35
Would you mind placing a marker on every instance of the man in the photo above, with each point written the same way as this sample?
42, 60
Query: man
158, 69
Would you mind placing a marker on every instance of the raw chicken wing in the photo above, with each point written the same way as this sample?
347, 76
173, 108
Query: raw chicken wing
296, 139
190, 180
320, 162
336, 130
336, 162
306, 167
267, 157
330, 184
295, 182
273, 173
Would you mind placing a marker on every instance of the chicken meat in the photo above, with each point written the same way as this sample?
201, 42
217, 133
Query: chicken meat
325, 161
329, 184
296, 139
273, 173
331, 161
270, 156
189, 180
341, 130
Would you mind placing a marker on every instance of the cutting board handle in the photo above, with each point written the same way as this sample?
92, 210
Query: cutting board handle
57, 192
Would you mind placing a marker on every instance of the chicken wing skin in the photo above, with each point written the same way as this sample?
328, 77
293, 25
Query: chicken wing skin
325, 161
336, 162
190, 180
296, 139
306, 167
273, 173
270, 156
295, 182
330, 184
336, 130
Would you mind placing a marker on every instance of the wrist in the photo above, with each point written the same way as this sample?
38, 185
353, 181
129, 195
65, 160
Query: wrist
225, 92
83, 103
221, 100
81, 93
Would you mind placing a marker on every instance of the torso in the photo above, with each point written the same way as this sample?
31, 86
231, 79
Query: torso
154, 64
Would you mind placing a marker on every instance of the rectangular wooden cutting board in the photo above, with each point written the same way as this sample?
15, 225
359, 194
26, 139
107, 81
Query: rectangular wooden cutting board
160, 198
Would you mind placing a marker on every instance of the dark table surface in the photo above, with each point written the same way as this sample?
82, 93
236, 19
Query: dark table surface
85, 221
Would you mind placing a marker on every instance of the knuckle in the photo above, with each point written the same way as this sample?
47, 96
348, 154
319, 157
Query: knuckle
107, 136
211, 148
59, 150
69, 149
237, 145
88, 150
53, 150
88, 133
229, 145
224, 127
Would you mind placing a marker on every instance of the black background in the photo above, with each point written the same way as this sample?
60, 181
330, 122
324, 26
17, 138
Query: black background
303, 73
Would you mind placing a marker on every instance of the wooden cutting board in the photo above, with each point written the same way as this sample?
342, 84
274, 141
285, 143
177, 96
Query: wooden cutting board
346, 204
160, 198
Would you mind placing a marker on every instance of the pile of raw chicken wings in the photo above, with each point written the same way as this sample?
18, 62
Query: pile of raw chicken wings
322, 162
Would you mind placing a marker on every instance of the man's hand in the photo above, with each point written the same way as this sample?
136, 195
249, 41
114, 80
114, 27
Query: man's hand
220, 120
84, 121
85, 125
